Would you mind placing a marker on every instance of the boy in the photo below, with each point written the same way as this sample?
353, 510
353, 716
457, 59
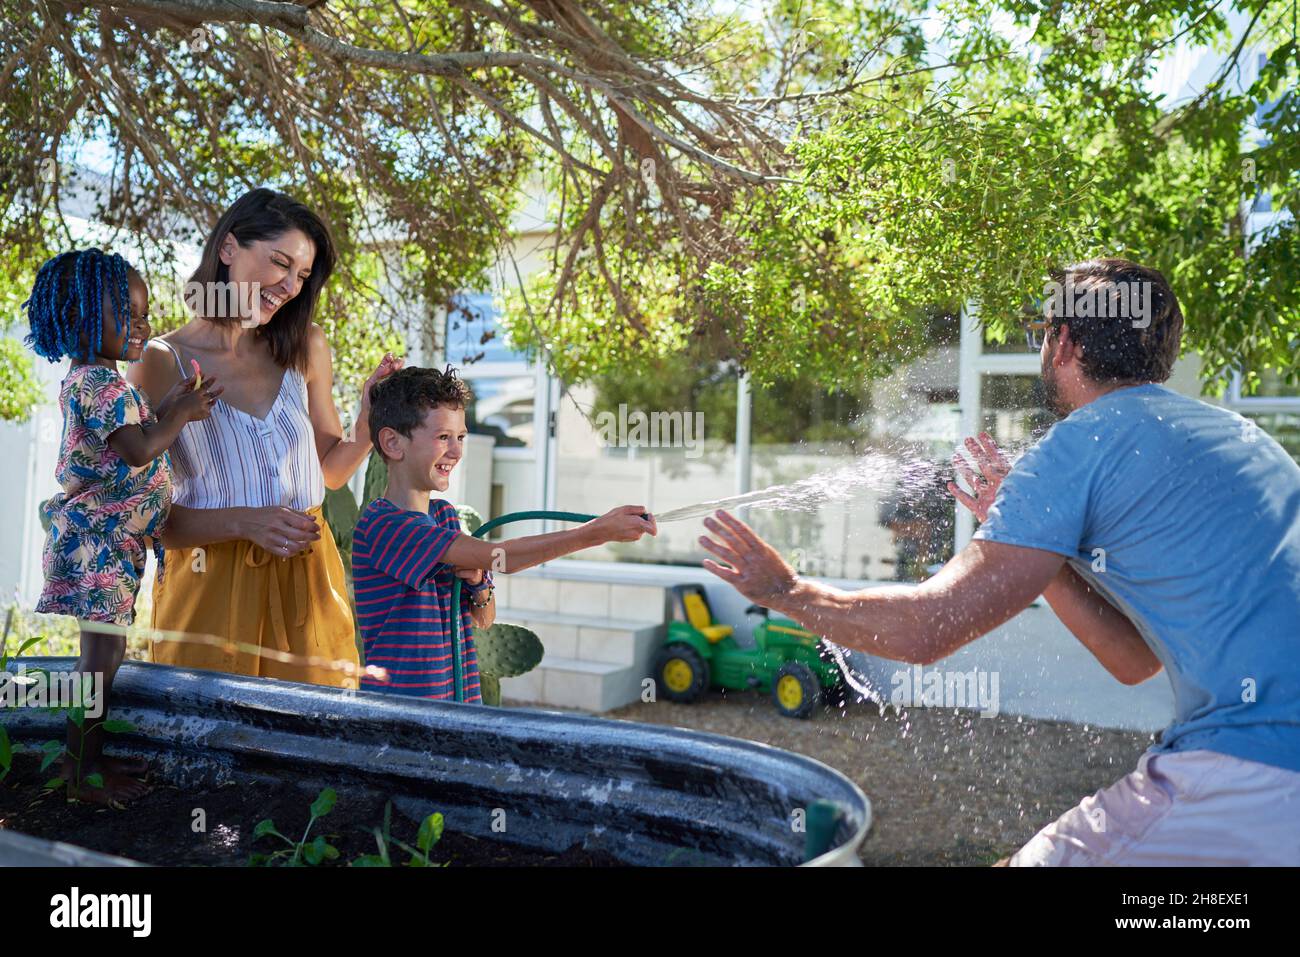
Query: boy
406, 549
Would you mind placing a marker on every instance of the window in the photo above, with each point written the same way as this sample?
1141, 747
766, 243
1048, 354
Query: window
503, 381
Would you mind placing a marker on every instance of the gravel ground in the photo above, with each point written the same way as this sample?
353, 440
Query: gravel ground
946, 787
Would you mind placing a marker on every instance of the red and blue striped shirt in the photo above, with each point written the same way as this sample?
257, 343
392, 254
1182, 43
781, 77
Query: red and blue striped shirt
403, 594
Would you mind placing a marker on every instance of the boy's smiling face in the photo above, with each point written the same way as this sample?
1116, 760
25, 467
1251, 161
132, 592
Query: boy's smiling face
432, 451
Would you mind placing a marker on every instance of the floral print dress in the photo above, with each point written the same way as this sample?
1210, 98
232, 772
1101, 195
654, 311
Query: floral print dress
108, 511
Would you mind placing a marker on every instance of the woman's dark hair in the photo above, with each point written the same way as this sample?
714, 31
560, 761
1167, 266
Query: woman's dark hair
67, 300
257, 215
1116, 347
401, 401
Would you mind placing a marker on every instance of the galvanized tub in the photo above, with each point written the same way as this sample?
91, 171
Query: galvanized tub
646, 794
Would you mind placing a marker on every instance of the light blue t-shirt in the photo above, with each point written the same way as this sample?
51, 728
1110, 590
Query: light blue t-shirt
1196, 512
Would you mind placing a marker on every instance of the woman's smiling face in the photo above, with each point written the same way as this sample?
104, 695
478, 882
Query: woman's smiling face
267, 273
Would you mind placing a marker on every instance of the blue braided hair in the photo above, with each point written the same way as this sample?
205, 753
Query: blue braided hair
68, 299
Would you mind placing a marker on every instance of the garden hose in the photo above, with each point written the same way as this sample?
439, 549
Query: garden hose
457, 668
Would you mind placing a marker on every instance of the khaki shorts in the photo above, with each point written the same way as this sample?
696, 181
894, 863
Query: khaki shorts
1179, 808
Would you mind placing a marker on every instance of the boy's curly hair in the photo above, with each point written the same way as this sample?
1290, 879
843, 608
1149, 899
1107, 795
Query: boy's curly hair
401, 401
67, 300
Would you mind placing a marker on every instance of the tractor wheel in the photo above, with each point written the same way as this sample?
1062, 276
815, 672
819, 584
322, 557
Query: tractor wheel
795, 691
681, 673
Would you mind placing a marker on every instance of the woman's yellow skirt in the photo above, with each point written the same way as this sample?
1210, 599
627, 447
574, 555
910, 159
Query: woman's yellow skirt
235, 598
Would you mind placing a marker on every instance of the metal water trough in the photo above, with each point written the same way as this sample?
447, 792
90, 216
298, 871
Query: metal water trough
646, 794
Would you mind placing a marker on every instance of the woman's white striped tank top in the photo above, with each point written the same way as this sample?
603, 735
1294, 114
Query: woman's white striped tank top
232, 459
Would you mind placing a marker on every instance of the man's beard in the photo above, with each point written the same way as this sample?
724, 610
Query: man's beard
1051, 390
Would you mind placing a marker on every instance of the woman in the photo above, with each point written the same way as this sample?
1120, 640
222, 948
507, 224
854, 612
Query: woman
246, 560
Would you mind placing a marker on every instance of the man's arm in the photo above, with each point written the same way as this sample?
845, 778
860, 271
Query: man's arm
1101, 628
985, 585
982, 587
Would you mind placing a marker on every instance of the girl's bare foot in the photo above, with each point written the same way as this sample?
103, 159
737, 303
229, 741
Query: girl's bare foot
115, 788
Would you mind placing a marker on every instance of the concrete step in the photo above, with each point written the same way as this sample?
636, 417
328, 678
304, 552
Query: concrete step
608, 640
588, 598
570, 683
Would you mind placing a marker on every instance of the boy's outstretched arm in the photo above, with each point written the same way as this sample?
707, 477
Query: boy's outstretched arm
622, 524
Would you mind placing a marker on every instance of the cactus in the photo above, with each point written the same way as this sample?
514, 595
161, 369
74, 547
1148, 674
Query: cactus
489, 687
376, 479
469, 518
504, 651
507, 650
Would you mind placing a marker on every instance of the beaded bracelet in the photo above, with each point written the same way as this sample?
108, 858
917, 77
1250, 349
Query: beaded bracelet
485, 602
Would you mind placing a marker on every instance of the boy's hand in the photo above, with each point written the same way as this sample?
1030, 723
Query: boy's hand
624, 524
190, 403
471, 576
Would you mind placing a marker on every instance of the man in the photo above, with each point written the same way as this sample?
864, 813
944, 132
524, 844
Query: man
1164, 532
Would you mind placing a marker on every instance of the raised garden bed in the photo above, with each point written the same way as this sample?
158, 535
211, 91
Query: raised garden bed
514, 786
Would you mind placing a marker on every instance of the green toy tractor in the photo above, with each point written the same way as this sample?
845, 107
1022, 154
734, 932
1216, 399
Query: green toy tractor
783, 658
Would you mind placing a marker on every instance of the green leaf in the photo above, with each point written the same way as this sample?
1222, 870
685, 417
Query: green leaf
117, 726
95, 780
6, 749
27, 644
77, 716
369, 860
51, 757
430, 832
313, 853
324, 803
263, 828
53, 784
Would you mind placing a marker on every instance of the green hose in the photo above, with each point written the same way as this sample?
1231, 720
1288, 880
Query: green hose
457, 669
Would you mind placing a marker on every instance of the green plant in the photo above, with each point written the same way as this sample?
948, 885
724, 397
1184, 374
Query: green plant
429, 833
20, 390
470, 518
300, 852
56, 749
504, 651
7, 747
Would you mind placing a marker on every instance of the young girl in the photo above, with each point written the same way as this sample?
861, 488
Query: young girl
92, 308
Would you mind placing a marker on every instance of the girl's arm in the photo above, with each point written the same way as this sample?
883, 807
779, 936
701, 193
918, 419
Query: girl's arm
340, 456
138, 445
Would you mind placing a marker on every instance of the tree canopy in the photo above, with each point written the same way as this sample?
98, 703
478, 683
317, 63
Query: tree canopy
781, 184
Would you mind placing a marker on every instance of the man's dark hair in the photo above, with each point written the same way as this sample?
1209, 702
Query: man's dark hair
1119, 345
402, 400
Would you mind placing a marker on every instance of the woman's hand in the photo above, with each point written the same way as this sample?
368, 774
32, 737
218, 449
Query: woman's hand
993, 468
281, 531
387, 366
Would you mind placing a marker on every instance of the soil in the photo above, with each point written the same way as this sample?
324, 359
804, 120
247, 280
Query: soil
157, 829
947, 787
